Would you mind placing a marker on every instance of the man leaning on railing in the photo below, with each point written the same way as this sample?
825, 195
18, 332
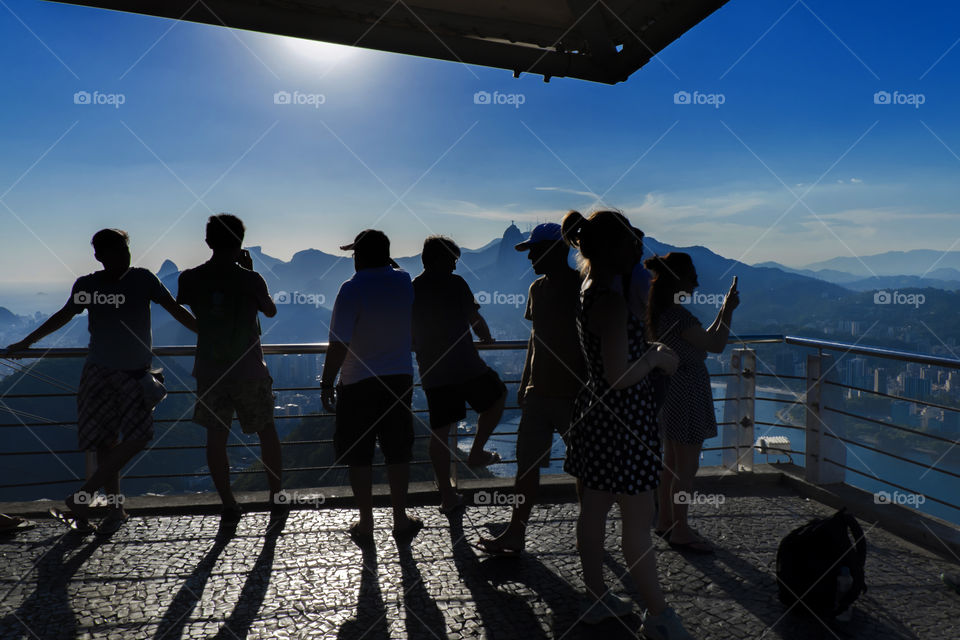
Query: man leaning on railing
112, 398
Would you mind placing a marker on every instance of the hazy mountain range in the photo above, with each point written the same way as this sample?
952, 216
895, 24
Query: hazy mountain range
773, 295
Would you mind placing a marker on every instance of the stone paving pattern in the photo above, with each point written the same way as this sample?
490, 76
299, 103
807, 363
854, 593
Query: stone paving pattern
173, 577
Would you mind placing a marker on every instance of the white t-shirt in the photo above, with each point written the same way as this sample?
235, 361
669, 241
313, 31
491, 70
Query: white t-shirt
372, 316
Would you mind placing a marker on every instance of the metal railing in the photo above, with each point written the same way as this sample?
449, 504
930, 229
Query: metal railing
824, 431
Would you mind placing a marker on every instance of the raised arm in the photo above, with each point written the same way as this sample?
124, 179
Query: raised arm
714, 338
179, 313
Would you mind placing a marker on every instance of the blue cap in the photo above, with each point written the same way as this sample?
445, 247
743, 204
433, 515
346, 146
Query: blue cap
546, 232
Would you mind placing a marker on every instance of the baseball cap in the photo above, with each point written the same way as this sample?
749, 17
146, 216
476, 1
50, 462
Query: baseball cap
373, 243
545, 232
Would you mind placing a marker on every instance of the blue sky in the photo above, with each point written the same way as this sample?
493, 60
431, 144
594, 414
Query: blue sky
797, 165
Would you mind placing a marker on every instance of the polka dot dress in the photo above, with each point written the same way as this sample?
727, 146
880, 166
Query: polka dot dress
687, 415
614, 442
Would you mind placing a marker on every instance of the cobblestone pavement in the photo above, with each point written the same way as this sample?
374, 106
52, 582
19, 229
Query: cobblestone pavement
173, 577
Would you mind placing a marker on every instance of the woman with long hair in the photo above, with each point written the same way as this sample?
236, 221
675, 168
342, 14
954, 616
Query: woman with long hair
686, 417
614, 446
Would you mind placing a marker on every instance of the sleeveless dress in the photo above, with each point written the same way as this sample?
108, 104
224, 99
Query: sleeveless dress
614, 442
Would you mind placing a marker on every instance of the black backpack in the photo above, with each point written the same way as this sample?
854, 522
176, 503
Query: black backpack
811, 557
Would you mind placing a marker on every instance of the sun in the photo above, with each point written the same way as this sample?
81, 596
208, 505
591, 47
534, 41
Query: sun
322, 54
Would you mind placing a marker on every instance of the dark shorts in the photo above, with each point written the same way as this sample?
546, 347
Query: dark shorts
540, 418
375, 409
252, 400
447, 404
110, 402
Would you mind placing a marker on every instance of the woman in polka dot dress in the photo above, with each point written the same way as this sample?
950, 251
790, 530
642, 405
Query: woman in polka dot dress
614, 447
687, 417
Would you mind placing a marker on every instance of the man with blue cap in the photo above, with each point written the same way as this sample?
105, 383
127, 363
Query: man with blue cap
552, 376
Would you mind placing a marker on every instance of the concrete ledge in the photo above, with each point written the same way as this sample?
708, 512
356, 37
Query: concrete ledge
931, 533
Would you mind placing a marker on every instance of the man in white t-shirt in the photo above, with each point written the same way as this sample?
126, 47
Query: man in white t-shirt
370, 345
111, 398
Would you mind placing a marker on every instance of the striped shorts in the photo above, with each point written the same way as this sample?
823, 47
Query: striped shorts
110, 402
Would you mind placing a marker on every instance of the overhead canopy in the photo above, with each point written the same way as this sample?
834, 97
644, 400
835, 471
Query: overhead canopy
602, 41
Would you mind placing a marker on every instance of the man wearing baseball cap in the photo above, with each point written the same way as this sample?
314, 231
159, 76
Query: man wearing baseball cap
552, 376
370, 345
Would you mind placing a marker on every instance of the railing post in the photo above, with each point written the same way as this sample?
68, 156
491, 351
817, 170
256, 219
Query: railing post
819, 445
739, 409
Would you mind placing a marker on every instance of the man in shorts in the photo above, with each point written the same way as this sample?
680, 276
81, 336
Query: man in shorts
226, 295
452, 372
111, 401
370, 349
553, 374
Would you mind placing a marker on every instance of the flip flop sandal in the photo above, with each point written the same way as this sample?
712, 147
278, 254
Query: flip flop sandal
73, 522
460, 504
362, 540
19, 524
490, 457
493, 548
112, 523
408, 533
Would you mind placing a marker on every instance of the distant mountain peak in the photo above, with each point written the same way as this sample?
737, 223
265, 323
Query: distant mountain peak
167, 268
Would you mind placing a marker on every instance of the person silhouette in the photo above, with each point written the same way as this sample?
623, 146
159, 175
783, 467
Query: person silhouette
614, 448
553, 374
370, 344
226, 295
686, 416
114, 414
451, 371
